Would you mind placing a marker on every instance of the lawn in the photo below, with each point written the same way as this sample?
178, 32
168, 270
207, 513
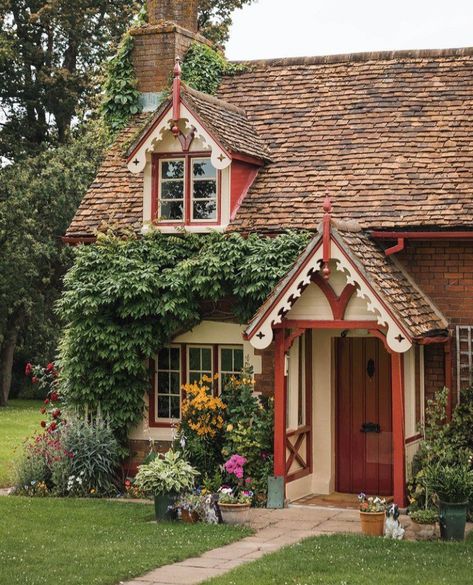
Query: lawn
17, 421
357, 560
93, 542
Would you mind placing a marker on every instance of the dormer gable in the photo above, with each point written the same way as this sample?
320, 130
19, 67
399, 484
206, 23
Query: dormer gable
199, 156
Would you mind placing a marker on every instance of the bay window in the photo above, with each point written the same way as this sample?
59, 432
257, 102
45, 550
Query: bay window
187, 190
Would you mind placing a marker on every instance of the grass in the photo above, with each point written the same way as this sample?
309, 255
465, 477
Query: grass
18, 421
358, 560
93, 542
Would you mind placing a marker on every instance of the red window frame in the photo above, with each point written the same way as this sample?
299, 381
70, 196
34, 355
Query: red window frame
153, 420
156, 180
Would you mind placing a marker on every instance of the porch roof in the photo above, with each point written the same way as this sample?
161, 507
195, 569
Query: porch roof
406, 303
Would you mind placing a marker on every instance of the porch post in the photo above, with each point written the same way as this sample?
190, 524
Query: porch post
279, 405
399, 459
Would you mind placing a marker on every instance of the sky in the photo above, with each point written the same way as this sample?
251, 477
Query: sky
292, 28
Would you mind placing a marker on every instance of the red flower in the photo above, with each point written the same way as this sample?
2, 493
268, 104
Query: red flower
28, 369
56, 413
46, 401
52, 426
34, 379
127, 483
42, 410
50, 367
54, 397
43, 423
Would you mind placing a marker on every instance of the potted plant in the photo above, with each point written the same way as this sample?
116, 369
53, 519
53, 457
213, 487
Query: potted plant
372, 515
234, 506
165, 478
192, 507
452, 482
424, 524
235, 502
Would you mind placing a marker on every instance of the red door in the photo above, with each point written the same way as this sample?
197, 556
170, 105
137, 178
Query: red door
364, 461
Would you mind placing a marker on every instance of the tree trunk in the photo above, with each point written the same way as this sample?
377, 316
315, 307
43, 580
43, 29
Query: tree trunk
6, 361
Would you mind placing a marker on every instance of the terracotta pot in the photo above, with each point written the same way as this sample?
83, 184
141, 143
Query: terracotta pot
235, 513
424, 531
189, 517
372, 523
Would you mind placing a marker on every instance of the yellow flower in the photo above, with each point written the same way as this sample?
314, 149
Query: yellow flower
229, 428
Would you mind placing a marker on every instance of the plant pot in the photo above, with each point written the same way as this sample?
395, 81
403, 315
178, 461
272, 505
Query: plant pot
372, 523
164, 507
235, 513
452, 520
189, 517
424, 531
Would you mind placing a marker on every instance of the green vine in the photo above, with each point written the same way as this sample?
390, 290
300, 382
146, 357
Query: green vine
204, 67
122, 98
124, 299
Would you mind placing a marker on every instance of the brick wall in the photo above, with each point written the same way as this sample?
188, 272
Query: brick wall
182, 12
444, 271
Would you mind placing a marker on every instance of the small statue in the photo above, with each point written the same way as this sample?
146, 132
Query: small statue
392, 527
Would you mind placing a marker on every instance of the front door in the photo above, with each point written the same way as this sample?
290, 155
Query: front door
364, 420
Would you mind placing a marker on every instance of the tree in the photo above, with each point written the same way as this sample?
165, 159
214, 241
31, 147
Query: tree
51, 52
215, 18
38, 202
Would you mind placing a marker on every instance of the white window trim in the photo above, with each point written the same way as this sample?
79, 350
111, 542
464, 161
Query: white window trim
191, 194
156, 385
160, 183
220, 372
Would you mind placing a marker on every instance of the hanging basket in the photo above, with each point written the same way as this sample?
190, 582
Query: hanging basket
372, 523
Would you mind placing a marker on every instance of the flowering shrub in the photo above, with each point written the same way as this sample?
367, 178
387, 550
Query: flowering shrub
200, 432
227, 495
371, 504
234, 466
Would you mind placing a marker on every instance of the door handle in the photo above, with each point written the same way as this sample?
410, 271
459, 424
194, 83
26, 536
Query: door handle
370, 427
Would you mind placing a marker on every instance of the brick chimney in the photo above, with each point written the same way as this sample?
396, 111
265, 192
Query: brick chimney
171, 28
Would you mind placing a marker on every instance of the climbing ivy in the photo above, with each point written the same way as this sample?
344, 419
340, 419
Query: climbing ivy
204, 67
124, 299
121, 96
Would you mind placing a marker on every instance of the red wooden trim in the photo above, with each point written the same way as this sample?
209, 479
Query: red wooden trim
338, 304
187, 157
279, 405
430, 340
299, 431
299, 474
382, 337
176, 92
252, 160
448, 366
294, 453
335, 324
399, 247
152, 394
413, 439
397, 381
448, 235
291, 338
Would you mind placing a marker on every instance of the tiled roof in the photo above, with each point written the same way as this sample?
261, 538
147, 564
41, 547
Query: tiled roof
115, 198
229, 123
387, 135
385, 275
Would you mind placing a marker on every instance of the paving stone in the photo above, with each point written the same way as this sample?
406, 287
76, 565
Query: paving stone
180, 575
339, 526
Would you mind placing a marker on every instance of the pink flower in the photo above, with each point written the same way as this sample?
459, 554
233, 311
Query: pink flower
28, 369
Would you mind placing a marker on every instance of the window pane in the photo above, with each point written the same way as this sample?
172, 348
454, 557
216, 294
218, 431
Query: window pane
175, 358
194, 377
204, 210
163, 359
205, 189
163, 406
175, 407
173, 169
175, 383
173, 190
163, 382
238, 360
226, 359
206, 358
172, 210
194, 358
203, 168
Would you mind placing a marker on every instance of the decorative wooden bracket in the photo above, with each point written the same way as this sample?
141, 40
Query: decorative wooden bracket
338, 304
185, 141
289, 340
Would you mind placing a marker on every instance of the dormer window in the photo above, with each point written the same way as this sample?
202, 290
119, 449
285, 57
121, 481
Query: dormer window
187, 190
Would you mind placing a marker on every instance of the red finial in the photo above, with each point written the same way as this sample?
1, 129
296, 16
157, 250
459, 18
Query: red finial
327, 204
326, 238
176, 96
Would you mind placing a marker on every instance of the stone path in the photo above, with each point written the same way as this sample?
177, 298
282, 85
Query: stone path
274, 529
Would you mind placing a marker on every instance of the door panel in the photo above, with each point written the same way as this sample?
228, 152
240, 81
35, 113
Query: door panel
363, 459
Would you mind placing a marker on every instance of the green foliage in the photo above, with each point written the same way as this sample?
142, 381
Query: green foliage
123, 300
424, 516
215, 18
121, 99
51, 54
451, 482
461, 426
204, 67
166, 474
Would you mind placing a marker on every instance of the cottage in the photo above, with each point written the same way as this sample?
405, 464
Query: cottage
373, 153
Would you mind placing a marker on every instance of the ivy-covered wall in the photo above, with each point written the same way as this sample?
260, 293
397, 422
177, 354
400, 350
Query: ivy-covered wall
124, 299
